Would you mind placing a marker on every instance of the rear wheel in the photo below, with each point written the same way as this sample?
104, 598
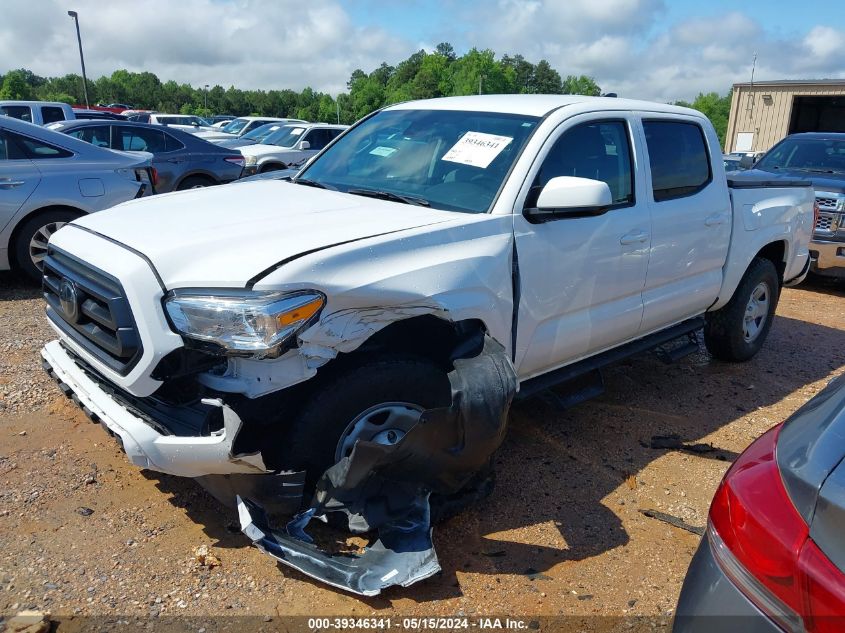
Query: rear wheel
737, 331
272, 167
194, 182
31, 239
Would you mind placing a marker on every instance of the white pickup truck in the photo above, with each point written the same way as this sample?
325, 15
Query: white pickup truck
259, 331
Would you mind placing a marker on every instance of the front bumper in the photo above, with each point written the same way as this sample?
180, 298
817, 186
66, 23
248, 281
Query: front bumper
710, 602
147, 447
828, 258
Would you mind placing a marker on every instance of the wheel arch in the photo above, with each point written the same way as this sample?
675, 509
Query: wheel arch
197, 173
19, 222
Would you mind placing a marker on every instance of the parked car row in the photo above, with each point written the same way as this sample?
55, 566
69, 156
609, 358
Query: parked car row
181, 160
48, 179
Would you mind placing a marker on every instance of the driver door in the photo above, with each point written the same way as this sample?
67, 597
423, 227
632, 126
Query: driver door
582, 277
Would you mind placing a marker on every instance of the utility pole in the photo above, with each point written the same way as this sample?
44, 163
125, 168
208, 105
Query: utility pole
337, 103
480, 79
75, 17
206, 98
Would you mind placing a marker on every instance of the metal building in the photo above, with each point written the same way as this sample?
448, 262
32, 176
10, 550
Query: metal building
763, 112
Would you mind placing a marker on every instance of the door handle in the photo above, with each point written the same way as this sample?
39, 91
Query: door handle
175, 160
634, 237
715, 219
9, 184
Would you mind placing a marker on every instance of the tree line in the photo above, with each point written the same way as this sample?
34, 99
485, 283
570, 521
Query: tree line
422, 75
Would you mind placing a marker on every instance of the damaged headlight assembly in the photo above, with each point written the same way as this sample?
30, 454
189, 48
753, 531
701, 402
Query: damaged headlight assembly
240, 322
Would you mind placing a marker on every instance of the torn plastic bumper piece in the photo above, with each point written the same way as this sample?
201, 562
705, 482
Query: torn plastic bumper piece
396, 558
387, 487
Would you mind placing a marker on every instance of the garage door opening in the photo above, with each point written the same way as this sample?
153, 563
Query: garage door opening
817, 114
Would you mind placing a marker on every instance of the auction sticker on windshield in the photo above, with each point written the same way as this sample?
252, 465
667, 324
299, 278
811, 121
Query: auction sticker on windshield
477, 149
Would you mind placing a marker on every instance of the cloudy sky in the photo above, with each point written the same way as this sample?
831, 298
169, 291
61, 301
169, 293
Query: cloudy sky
651, 49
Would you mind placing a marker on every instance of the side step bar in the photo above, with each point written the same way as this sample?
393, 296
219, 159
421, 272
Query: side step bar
570, 372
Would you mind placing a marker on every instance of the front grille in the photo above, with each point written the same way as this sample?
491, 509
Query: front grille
829, 204
91, 308
825, 222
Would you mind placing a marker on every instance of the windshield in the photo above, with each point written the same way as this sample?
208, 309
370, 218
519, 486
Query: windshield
806, 154
286, 136
261, 131
233, 127
447, 159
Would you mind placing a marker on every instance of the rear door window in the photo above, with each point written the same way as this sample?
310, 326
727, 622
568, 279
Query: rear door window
36, 149
51, 114
678, 157
139, 140
96, 135
171, 143
17, 112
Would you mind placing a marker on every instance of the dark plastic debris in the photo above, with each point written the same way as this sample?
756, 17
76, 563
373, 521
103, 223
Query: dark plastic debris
387, 487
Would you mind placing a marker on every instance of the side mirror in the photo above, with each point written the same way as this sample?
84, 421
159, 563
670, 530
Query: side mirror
570, 197
746, 162
304, 145
195, 123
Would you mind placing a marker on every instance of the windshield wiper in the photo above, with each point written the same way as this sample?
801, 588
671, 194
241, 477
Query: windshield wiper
389, 195
312, 183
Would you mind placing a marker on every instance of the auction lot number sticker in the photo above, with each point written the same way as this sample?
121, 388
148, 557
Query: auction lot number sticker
477, 149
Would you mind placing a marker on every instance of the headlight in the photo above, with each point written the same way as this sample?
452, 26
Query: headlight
250, 161
242, 322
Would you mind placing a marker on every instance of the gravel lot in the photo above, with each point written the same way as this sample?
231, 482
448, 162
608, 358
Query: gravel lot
84, 533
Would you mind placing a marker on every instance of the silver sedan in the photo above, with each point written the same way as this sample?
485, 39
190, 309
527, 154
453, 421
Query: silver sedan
48, 179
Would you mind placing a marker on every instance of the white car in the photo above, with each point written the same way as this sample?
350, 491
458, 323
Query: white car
289, 146
362, 327
240, 126
184, 122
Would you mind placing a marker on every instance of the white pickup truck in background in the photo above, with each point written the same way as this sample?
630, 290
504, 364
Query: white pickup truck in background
260, 331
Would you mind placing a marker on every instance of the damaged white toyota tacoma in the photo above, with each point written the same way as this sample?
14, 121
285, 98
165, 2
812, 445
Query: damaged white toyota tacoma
349, 340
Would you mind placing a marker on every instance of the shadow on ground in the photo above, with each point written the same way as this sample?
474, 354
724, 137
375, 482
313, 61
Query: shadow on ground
559, 465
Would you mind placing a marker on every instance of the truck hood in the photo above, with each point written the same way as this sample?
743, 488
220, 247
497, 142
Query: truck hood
833, 183
227, 235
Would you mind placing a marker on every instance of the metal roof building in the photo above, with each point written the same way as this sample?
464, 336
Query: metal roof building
763, 112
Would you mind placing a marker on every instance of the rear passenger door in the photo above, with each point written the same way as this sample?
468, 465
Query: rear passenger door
690, 218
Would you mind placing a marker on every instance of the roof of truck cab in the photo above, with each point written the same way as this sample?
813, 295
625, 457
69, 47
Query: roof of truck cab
536, 105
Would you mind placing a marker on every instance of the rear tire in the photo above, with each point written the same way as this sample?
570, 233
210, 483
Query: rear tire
31, 239
737, 331
273, 167
194, 182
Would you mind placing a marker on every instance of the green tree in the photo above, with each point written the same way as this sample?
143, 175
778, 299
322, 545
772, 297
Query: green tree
15, 87
580, 85
546, 80
715, 108
478, 71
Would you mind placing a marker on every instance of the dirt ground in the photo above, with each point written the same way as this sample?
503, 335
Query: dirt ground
82, 532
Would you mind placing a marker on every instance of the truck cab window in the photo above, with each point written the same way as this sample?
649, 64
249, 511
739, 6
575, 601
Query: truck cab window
51, 114
596, 150
678, 158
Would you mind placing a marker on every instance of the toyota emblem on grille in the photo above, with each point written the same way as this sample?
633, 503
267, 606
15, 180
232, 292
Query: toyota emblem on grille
69, 300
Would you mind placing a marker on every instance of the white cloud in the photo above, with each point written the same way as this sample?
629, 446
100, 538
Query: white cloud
626, 45
246, 43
